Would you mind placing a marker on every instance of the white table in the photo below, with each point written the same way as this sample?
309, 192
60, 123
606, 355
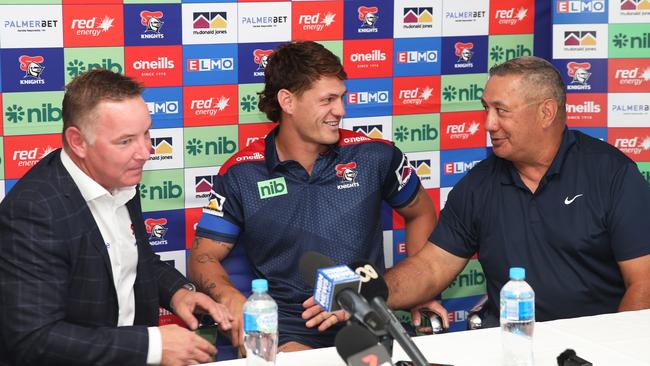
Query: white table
609, 339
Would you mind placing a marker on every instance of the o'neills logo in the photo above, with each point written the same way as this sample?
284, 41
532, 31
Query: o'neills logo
355, 140
588, 106
163, 62
251, 157
374, 55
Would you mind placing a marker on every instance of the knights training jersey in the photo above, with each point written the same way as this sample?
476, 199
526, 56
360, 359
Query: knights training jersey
277, 211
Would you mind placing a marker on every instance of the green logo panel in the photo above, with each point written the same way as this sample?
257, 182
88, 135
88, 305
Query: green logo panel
209, 146
32, 113
644, 168
2, 159
80, 60
462, 92
162, 190
507, 47
30, 2
248, 99
336, 47
417, 132
470, 282
629, 40
272, 187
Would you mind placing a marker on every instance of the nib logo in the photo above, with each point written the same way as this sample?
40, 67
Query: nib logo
315, 23
77, 67
472, 93
92, 27
221, 146
249, 103
509, 17
449, 93
498, 54
15, 113
46, 113
423, 133
622, 40
167, 190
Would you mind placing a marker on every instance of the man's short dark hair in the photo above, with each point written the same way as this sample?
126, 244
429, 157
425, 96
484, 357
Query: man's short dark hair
539, 79
89, 89
294, 67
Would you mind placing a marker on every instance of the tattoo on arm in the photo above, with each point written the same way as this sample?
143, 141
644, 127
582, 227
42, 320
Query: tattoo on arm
205, 258
205, 285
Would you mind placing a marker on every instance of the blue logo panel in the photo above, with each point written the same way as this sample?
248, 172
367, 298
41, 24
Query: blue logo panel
416, 56
32, 69
165, 106
9, 184
580, 11
595, 132
584, 75
152, 24
464, 55
210, 64
252, 60
457, 310
165, 230
369, 19
454, 164
369, 97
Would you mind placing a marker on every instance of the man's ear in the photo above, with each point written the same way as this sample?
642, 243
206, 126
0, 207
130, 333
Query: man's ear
547, 112
76, 141
286, 101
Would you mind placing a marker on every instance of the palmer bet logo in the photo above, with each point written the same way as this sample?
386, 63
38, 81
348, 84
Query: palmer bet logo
33, 68
348, 174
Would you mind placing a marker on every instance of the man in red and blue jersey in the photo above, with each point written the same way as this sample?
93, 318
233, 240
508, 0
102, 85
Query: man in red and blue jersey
308, 186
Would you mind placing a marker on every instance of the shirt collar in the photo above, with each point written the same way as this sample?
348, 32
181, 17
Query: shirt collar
89, 188
271, 153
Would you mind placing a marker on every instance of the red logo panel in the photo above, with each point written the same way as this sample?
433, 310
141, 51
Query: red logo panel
368, 59
319, 20
512, 16
93, 25
416, 95
155, 65
462, 130
586, 110
628, 75
634, 142
21, 153
192, 216
249, 133
210, 105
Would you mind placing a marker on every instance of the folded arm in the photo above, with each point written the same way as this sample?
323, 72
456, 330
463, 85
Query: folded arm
636, 274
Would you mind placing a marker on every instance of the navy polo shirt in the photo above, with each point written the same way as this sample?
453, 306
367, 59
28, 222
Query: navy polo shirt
278, 212
590, 211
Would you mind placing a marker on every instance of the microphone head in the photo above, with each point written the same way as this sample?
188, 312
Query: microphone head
372, 282
310, 262
352, 339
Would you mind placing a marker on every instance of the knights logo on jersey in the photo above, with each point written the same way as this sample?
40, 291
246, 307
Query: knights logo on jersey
403, 172
348, 174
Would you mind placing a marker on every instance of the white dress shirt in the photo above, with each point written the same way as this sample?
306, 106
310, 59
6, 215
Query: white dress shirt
112, 217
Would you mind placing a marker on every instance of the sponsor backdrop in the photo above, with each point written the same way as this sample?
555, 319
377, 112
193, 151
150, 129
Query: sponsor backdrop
417, 70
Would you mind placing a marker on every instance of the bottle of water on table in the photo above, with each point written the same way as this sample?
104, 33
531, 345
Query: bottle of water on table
517, 319
260, 326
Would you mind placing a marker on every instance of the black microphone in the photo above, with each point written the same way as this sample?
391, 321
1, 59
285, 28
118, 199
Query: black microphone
358, 347
375, 290
309, 264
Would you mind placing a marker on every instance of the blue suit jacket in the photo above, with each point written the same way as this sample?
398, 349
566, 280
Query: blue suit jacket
58, 304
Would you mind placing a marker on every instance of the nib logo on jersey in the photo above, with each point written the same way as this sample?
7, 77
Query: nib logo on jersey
629, 75
463, 55
417, 94
36, 69
207, 146
515, 17
368, 59
462, 92
368, 19
155, 66
507, 47
580, 11
162, 190
150, 24
456, 163
461, 130
165, 106
210, 105
634, 142
93, 25
32, 113
322, 20
583, 76
253, 58
23, 152
368, 97
165, 229
586, 110
416, 57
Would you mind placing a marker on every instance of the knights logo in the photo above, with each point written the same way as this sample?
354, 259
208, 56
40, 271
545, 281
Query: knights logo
464, 52
579, 71
348, 174
261, 58
32, 66
368, 16
156, 228
151, 20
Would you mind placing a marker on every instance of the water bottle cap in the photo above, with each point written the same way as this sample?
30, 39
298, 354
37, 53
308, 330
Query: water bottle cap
260, 285
517, 273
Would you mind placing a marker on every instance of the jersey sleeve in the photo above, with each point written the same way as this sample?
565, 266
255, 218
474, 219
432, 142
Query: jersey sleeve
222, 216
401, 183
629, 214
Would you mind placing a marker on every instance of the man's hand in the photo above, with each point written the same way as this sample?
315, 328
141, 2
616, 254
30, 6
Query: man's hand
182, 347
315, 315
433, 306
185, 303
234, 301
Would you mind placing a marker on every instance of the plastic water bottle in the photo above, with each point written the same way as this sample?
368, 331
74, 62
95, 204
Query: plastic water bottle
517, 319
260, 326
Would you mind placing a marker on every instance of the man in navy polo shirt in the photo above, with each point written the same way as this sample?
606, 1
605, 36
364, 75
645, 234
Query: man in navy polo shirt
308, 186
572, 210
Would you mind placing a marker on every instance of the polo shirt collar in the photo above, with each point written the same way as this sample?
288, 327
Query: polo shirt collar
271, 153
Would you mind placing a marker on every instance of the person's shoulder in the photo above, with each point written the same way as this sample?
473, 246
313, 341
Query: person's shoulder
483, 173
40, 182
255, 152
351, 140
598, 151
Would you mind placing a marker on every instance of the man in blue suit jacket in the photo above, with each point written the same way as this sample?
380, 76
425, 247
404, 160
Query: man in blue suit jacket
79, 283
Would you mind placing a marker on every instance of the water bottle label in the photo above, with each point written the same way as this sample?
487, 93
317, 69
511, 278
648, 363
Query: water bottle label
517, 310
264, 323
